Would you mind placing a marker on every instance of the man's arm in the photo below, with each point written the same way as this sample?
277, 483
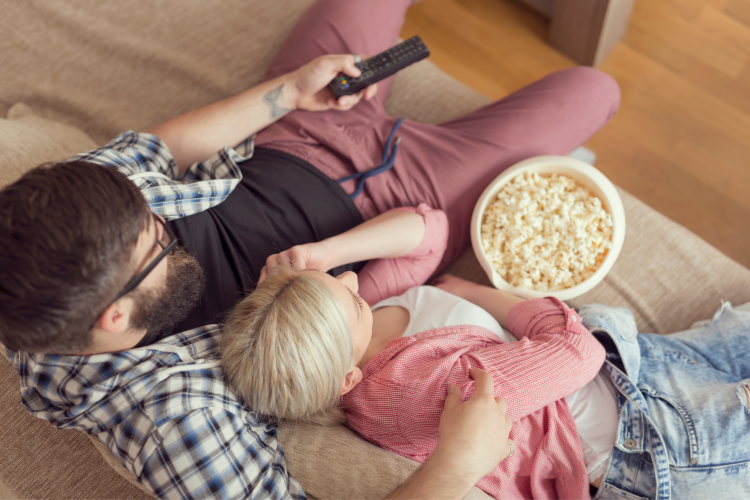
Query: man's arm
470, 447
198, 134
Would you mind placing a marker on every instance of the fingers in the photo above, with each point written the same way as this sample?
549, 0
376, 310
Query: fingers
371, 91
263, 275
502, 404
297, 258
484, 385
454, 397
346, 102
273, 261
345, 64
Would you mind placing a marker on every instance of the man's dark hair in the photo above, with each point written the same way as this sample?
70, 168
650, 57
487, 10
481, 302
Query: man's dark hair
67, 235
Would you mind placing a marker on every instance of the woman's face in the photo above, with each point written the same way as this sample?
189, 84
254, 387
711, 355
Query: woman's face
345, 287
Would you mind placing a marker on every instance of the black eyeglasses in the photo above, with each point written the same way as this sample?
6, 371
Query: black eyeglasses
167, 242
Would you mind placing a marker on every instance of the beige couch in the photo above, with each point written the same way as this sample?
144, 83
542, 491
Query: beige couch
90, 69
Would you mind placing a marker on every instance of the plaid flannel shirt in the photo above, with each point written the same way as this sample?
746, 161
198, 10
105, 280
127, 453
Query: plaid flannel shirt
166, 413
164, 410
146, 160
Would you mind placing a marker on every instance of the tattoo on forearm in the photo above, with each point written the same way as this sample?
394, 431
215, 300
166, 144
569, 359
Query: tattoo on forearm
271, 98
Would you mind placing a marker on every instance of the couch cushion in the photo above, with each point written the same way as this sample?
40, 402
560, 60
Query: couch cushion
27, 140
335, 463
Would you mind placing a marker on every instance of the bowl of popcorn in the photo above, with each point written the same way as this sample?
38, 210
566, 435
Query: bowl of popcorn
548, 226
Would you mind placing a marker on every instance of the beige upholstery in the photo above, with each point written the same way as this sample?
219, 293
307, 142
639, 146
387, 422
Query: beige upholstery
104, 68
27, 140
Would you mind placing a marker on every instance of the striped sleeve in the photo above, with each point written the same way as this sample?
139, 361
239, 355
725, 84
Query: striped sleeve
554, 357
383, 278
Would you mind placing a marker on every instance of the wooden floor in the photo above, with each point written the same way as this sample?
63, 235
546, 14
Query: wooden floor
681, 139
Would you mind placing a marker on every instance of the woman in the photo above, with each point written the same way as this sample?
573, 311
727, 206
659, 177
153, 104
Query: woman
307, 346
303, 339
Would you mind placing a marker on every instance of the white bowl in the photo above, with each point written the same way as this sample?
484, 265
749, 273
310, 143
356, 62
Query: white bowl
585, 175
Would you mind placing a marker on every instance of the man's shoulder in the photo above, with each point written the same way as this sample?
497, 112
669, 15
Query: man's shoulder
155, 383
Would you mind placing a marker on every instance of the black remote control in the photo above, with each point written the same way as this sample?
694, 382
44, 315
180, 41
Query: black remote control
380, 66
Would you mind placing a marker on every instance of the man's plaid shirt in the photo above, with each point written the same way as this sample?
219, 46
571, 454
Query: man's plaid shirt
146, 161
165, 410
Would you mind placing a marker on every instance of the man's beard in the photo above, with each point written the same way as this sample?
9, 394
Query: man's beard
157, 310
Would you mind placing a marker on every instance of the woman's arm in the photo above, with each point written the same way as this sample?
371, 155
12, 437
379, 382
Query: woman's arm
496, 302
392, 234
556, 354
196, 135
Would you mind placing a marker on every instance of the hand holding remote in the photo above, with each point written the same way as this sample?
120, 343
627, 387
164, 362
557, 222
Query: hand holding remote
310, 83
378, 67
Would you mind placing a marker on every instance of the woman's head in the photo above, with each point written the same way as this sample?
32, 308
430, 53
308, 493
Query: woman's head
290, 349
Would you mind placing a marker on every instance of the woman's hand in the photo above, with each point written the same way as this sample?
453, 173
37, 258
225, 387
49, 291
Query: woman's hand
318, 256
311, 84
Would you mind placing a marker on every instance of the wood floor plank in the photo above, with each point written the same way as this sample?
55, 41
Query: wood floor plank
739, 10
735, 92
701, 39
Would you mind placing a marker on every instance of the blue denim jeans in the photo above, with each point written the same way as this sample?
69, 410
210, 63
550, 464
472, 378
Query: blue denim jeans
684, 429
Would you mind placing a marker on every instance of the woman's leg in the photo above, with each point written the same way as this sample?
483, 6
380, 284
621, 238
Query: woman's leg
695, 385
723, 345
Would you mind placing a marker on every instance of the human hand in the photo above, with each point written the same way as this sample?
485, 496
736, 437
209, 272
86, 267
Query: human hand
311, 83
473, 435
318, 256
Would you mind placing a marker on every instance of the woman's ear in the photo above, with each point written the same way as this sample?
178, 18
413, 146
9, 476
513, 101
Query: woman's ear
353, 378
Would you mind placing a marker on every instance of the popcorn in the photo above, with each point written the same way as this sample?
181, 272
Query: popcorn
546, 233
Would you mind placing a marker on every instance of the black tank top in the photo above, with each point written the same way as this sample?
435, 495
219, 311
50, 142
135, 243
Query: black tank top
281, 201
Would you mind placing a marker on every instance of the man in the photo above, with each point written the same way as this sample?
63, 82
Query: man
90, 272
164, 410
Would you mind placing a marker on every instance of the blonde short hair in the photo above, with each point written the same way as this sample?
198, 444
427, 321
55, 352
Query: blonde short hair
287, 347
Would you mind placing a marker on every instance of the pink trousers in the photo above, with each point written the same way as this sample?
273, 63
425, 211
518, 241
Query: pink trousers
446, 166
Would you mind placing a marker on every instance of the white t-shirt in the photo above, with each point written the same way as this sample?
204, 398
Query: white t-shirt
594, 406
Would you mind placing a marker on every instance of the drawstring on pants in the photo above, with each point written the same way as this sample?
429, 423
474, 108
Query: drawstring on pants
389, 158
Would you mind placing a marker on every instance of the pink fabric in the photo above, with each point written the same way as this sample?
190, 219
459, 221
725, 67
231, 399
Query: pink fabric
446, 166
399, 402
383, 278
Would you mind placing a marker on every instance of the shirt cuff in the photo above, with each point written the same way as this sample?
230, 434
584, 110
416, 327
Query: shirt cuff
435, 238
528, 318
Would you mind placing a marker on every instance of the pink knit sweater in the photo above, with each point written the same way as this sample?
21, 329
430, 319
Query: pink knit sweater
399, 402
